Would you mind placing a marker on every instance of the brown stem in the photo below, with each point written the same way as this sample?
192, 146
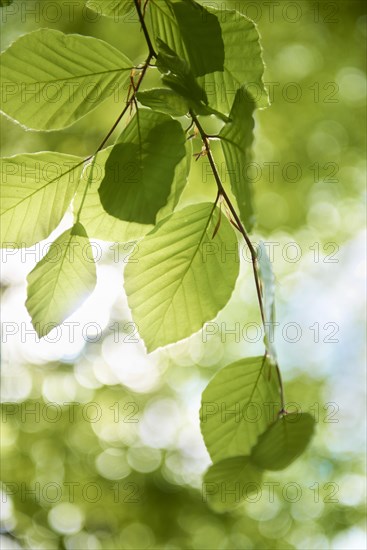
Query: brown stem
222, 192
241, 228
145, 30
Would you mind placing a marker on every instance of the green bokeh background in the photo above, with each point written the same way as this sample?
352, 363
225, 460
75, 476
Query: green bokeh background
311, 207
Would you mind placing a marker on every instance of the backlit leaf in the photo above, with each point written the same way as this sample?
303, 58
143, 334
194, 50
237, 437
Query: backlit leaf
237, 406
236, 139
50, 79
99, 224
243, 64
61, 281
112, 8
36, 190
191, 31
173, 287
164, 100
230, 482
283, 441
140, 168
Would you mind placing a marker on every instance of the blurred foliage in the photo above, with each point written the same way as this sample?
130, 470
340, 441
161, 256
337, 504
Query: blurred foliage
149, 472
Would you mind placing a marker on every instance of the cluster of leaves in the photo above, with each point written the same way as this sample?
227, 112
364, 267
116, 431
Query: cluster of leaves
244, 432
130, 191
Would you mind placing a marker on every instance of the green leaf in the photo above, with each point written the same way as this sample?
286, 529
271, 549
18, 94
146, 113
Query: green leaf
61, 281
162, 25
96, 221
243, 64
50, 79
111, 8
191, 31
169, 61
99, 224
173, 288
182, 171
36, 189
202, 37
268, 286
164, 100
237, 406
230, 482
180, 77
140, 168
283, 441
237, 137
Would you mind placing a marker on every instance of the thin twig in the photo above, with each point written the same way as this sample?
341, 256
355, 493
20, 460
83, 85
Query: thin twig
127, 105
130, 101
241, 228
144, 29
239, 225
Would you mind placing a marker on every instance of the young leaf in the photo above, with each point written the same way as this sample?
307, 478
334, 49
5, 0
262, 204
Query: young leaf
169, 61
283, 441
35, 191
268, 284
191, 31
50, 79
236, 139
99, 224
178, 75
112, 8
61, 281
229, 482
165, 101
173, 288
243, 64
140, 168
237, 406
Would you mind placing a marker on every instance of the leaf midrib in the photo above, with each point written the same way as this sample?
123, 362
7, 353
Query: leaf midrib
28, 197
86, 75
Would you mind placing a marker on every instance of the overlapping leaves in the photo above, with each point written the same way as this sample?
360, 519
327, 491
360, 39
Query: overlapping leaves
191, 31
201, 35
101, 225
238, 405
246, 432
210, 62
140, 168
